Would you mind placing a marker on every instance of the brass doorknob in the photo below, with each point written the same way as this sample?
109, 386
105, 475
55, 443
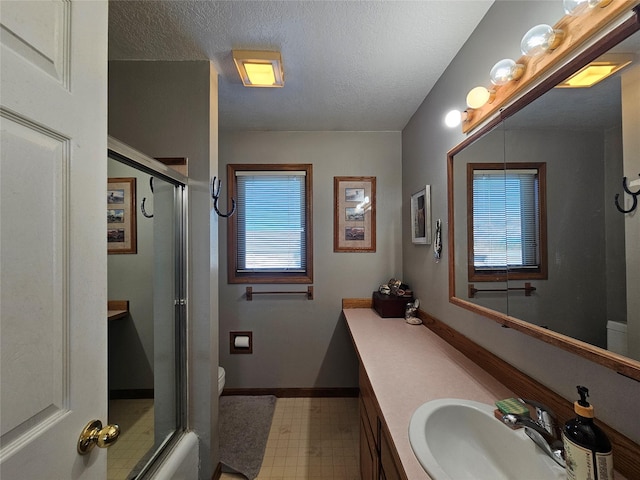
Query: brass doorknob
95, 434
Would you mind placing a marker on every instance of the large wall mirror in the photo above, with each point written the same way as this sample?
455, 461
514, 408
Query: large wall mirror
588, 300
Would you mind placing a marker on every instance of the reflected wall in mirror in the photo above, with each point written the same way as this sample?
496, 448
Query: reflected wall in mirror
589, 139
146, 346
490, 151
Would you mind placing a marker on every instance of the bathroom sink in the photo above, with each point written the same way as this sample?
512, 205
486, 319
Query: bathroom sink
457, 439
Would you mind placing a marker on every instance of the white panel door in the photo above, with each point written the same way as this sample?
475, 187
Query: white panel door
53, 342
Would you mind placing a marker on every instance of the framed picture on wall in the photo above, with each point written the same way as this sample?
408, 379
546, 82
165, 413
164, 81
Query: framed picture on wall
421, 216
121, 215
354, 224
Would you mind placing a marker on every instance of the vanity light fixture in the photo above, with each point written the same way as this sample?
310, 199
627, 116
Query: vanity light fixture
479, 96
505, 71
598, 70
578, 7
554, 43
455, 117
540, 39
259, 68
363, 206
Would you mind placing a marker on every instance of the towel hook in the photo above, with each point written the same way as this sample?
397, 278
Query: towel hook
626, 187
144, 199
215, 195
634, 196
144, 212
437, 243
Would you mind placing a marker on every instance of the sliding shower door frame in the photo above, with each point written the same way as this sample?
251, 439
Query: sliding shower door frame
125, 154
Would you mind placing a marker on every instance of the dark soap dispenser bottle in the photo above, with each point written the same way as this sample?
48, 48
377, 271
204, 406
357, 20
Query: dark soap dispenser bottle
587, 449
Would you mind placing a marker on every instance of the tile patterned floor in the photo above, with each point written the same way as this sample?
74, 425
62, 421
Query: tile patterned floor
135, 418
312, 438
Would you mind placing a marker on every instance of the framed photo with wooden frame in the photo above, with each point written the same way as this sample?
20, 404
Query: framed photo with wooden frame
121, 215
354, 221
421, 216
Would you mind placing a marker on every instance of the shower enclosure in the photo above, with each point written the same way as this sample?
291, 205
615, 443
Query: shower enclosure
147, 346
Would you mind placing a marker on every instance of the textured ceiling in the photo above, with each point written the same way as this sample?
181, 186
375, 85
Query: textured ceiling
349, 65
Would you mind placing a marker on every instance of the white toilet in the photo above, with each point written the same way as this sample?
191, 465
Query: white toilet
221, 375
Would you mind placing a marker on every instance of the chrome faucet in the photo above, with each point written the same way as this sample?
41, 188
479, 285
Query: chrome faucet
543, 431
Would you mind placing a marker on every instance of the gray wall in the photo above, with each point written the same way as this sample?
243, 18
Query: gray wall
299, 343
616, 252
170, 109
425, 142
570, 303
631, 133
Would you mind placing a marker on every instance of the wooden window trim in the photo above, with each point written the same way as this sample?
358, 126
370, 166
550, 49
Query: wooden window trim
233, 275
541, 273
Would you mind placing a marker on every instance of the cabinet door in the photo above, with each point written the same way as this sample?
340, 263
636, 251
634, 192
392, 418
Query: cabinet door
368, 404
368, 456
388, 468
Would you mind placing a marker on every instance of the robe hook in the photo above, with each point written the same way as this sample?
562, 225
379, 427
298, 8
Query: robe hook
625, 185
144, 199
634, 196
215, 195
144, 212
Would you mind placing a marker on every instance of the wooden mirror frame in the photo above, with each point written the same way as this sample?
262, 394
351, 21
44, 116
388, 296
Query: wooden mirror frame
604, 41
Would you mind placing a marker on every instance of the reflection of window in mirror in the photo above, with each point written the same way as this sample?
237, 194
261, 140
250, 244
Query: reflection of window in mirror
506, 221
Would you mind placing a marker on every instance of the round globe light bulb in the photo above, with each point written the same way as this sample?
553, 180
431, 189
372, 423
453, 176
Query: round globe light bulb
505, 71
575, 7
453, 118
479, 96
578, 7
540, 39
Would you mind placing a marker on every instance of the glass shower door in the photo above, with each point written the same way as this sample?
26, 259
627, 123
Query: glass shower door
147, 347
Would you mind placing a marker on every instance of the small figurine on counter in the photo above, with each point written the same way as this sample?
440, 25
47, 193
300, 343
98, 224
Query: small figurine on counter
395, 288
410, 311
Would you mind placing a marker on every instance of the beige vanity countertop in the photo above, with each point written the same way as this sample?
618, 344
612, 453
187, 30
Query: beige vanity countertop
409, 365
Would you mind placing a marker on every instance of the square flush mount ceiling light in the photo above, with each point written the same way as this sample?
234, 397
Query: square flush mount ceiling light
259, 68
598, 70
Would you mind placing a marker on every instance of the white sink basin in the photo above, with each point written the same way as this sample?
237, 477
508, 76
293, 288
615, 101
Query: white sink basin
461, 439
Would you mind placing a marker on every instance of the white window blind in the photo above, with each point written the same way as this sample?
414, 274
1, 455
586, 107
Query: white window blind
505, 219
271, 221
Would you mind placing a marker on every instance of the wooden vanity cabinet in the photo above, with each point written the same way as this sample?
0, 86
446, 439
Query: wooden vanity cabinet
368, 450
369, 427
377, 454
388, 467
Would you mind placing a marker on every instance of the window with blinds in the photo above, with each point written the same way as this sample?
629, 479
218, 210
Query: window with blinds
507, 227
270, 234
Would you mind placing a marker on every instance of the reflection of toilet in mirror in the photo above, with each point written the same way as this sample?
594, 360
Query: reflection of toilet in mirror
221, 377
617, 337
